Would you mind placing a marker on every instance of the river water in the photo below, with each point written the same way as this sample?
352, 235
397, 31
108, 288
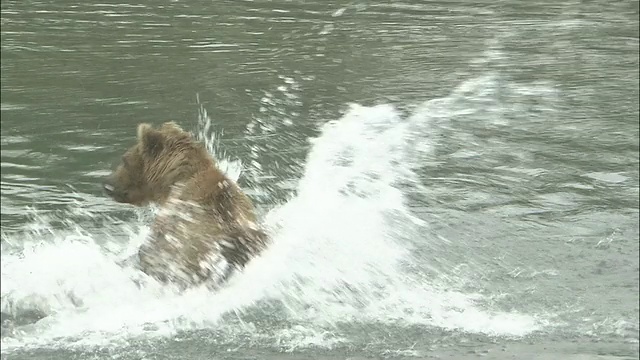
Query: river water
441, 179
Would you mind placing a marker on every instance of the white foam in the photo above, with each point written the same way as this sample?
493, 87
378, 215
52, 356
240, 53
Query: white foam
343, 238
338, 253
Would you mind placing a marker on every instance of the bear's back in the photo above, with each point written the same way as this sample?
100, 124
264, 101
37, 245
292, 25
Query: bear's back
202, 233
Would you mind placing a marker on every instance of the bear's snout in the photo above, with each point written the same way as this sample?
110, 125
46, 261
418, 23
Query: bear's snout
108, 188
112, 191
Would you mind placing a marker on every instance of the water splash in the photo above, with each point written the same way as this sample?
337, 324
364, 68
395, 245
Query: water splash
345, 237
206, 134
340, 254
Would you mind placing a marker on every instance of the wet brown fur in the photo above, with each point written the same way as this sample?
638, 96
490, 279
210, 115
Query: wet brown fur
203, 213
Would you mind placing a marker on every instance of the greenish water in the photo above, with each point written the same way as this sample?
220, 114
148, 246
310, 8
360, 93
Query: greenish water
480, 201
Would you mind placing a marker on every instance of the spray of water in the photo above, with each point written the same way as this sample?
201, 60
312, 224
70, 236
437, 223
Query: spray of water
340, 254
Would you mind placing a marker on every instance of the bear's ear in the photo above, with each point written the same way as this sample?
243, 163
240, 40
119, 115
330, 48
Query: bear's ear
171, 125
151, 140
142, 129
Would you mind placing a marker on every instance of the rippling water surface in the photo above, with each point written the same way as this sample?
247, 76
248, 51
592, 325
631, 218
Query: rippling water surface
441, 179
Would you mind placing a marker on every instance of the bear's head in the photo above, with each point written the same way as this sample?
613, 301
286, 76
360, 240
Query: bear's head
160, 158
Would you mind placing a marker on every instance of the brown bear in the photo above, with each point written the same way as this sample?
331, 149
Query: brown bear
205, 227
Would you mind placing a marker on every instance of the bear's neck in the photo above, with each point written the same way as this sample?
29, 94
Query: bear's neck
204, 183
